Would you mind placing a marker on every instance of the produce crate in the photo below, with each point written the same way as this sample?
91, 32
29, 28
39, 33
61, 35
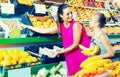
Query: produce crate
25, 19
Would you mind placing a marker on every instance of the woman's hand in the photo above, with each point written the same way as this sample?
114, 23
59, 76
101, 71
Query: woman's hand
23, 26
56, 54
59, 52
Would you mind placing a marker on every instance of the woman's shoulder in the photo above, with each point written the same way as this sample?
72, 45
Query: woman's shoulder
77, 25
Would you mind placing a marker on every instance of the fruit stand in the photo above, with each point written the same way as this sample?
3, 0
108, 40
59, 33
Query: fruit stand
13, 37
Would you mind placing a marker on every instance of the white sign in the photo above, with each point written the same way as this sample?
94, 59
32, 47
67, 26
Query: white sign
7, 8
39, 8
22, 72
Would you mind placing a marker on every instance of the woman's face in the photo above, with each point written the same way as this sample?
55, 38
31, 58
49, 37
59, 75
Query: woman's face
67, 14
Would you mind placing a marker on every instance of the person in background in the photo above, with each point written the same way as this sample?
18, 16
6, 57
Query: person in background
97, 22
72, 34
117, 15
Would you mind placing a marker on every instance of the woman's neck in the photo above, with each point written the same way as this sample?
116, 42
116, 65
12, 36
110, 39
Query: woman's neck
67, 24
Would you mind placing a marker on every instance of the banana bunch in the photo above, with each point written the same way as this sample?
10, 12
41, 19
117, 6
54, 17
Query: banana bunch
109, 66
89, 60
88, 70
116, 63
115, 72
93, 50
98, 63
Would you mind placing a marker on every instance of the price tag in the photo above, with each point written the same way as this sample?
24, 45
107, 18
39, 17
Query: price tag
40, 8
22, 72
7, 8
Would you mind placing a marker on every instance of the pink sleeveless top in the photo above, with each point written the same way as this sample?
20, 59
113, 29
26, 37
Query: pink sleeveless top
75, 57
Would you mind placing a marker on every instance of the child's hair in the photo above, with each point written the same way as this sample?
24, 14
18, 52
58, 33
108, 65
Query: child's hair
60, 11
100, 17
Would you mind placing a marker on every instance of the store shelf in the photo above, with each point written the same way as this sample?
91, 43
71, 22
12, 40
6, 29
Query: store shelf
86, 22
108, 24
28, 40
113, 36
39, 39
53, 2
117, 55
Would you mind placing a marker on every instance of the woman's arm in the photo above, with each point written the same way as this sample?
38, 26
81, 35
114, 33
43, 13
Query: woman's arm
106, 44
51, 30
77, 30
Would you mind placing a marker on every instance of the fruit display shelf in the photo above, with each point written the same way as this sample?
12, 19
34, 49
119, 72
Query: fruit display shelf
113, 36
28, 40
37, 68
27, 71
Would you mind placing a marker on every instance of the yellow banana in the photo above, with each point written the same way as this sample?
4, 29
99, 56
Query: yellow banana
79, 73
85, 48
86, 70
90, 59
95, 50
115, 72
87, 53
116, 63
110, 66
98, 63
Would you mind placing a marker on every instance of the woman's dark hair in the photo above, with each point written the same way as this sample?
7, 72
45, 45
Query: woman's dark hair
60, 11
100, 17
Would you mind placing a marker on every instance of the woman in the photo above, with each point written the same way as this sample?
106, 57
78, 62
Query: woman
73, 34
97, 22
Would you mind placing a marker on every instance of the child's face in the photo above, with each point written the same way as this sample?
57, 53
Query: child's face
67, 14
92, 22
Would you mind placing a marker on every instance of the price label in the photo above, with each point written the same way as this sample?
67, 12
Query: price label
40, 8
7, 8
22, 72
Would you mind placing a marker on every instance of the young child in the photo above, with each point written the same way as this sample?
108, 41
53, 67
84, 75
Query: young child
97, 22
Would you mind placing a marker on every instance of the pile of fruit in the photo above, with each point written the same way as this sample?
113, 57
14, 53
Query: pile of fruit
26, 2
111, 29
93, 50
15, 56
116, 46
82, 3
3, 1
95, 65
42, 22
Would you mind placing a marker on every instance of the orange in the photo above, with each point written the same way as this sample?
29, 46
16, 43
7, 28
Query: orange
1, 57
34, 59
16, 52
24, 54
10, 51
15, 57
13, 62
7, 63
49, 20
21, 60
